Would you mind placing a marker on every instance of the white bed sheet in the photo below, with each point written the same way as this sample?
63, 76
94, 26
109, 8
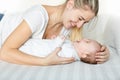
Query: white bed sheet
74, 71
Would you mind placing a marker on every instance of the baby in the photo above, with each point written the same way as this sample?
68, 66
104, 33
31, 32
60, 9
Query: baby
86, 50
83, 50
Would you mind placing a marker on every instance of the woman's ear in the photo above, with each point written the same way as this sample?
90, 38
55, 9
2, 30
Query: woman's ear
70, 4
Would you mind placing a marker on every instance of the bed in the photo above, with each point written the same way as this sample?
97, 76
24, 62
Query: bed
105, 31
107, 28
74, 71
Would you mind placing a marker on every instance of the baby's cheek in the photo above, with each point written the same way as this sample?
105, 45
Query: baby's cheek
83, 55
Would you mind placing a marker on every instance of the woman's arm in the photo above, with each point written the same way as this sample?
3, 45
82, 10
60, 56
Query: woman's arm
10, 49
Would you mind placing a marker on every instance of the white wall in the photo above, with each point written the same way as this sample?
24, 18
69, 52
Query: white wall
110, 7
10, 6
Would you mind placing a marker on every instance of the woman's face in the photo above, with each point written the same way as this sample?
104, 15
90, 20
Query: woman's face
76, 16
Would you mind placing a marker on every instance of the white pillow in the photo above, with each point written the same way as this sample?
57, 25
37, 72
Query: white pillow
95, 28
112, 33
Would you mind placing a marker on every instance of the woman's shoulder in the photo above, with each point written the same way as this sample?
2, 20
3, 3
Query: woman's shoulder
37, 18
37, 8
37, 13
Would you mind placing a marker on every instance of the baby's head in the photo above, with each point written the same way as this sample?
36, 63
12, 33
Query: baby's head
86, 49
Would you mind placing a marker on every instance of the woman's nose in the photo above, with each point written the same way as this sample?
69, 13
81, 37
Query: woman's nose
80, 24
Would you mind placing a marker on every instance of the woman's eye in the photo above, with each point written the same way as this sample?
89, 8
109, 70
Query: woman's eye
80, 19
87, 41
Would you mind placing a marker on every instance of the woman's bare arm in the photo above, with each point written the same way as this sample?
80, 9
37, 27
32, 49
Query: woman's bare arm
10, 49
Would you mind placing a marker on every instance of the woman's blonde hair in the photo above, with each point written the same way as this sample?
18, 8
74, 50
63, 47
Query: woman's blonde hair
76, 33
92, 4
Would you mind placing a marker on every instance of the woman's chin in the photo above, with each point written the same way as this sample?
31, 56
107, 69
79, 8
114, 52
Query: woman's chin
68, 26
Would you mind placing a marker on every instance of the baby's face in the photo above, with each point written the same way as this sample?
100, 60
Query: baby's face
87, 48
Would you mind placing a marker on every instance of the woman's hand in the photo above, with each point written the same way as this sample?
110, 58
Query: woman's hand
53, 58
102, 56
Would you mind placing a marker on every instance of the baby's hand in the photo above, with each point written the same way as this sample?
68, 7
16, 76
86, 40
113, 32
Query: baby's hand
62, 37
53, 36
60, 40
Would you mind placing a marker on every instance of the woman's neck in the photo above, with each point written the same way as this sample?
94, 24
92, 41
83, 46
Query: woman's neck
54, 13
55, 20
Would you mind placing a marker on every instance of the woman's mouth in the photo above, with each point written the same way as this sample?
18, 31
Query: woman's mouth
73, 24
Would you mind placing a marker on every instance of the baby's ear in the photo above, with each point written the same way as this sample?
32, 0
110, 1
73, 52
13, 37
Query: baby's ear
84, 55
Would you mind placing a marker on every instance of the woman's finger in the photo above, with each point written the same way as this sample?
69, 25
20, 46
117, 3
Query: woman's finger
100, 62
101, 54
103, 48
67, 59
100, 57
61, 60
66, 62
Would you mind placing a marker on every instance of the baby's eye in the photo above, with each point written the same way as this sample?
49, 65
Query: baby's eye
87, 41
77, 41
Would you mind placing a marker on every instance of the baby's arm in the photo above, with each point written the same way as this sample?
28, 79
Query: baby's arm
59, 40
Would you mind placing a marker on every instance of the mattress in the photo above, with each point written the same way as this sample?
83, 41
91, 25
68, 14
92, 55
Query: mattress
109, 70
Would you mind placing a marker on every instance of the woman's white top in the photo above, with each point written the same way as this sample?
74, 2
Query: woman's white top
36, 17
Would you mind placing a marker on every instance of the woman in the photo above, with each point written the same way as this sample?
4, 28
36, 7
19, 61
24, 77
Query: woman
43, 22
